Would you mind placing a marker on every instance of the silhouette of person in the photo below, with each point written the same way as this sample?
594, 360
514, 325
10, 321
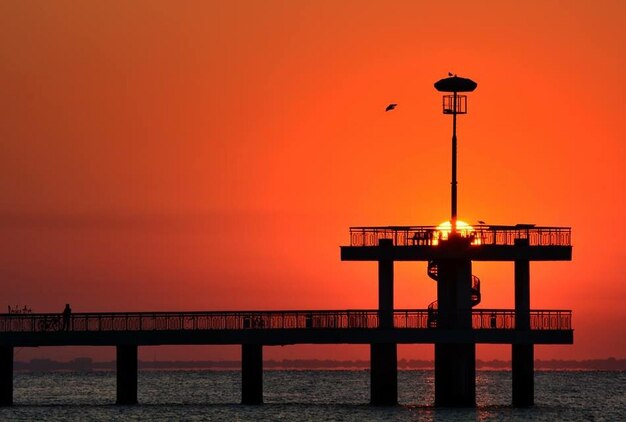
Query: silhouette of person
67, 313
493, 320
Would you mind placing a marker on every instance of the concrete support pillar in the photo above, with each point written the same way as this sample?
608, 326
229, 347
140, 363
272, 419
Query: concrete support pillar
455, 375
454, 294
522, 356
523, 374
384, 374
6, 375
385, 288
522, 295
252, 374
384, 357
126, 374
455, 363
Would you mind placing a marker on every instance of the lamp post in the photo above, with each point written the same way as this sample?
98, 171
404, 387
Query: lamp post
454, 104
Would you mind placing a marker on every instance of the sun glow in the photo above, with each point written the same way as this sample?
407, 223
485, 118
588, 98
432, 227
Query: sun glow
464, 229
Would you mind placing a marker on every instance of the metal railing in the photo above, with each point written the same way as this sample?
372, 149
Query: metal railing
479, 235
347, 319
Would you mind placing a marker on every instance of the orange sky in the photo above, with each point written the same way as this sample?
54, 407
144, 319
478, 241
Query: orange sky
212, 155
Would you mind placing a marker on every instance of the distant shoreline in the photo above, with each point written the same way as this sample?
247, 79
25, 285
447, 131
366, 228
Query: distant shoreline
87, 364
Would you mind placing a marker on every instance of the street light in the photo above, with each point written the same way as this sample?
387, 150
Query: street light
454, 104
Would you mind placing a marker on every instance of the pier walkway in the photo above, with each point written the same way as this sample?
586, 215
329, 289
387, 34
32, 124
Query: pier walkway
255, 329
275, 328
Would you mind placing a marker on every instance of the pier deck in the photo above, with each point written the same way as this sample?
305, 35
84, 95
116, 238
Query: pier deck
278, 328
485, 243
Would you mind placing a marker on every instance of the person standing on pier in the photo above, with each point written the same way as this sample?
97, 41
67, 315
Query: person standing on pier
67, 313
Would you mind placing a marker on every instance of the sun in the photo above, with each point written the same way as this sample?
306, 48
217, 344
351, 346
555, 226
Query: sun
462, 228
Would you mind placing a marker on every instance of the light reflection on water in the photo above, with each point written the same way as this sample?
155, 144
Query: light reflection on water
309, 395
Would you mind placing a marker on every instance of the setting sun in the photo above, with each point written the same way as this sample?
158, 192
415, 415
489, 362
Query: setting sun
445, 228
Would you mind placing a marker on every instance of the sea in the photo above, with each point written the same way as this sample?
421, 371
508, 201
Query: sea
316, 395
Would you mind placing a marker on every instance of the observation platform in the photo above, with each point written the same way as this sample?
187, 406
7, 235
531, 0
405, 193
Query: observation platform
450, 256
484, 243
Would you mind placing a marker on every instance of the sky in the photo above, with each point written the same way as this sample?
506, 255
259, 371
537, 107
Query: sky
212, 155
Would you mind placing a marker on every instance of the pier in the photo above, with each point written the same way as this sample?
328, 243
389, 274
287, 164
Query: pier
255, 329
451, 321
449, 263
381, 328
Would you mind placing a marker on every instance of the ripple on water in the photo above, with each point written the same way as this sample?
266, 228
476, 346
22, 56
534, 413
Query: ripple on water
309, 395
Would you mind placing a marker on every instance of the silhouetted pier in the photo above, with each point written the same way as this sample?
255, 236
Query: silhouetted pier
449, 257
253, 330
382, 328
450, 321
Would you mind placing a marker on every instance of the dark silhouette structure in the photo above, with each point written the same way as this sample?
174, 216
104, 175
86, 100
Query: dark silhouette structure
126, 331
451, 322
449, 255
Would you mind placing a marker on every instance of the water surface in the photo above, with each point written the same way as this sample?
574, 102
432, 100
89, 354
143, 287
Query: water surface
309, 395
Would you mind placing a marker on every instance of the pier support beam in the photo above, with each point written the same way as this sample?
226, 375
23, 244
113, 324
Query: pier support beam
522, 356
252, 374
384, 374
523, 375
384, 357
126, 374
455, 375
455, 363
385, 288
6, 375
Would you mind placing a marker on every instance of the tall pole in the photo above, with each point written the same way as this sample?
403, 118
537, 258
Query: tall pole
455, 85
454, 182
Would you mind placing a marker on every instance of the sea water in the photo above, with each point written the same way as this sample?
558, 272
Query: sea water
198, 395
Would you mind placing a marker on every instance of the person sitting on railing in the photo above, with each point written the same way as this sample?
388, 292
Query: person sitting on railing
67, 313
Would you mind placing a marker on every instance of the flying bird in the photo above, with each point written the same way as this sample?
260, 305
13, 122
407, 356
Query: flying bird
391, 107
481, 222
450, 74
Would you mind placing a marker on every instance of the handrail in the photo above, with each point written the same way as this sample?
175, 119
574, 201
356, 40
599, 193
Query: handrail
480, 235
501, 319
